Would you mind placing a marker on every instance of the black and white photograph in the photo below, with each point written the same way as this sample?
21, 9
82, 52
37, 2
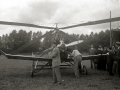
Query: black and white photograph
59, 44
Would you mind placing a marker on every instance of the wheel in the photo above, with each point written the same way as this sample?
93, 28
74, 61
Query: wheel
32, 75
85, 70
80, 69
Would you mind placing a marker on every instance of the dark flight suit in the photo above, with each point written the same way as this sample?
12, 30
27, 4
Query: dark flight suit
110, 61
92, 51
118, 60
104, 60
99, 64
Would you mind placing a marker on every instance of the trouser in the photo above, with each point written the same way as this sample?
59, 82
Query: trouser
99, 64
104, 62
115, 67
118, 62
77, 65
92, 61
110, 66
56, 74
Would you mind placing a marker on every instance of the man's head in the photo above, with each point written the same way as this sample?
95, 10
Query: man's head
105, 48
54, 44
113, 48
99, 48
92, 46
63, 46
76, 48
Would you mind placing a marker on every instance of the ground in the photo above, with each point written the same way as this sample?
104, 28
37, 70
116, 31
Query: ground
16, 75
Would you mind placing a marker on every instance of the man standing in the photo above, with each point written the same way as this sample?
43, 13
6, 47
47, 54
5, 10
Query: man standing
99, 61
118, 57
77, 61
92, 51
110, 60
105, 51
56, 64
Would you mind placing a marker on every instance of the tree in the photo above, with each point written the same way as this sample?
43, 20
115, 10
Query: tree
15, 39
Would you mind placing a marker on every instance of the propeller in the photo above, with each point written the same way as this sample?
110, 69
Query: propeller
93, 23
24, 24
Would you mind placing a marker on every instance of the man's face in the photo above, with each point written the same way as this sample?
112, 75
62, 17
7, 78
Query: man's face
91, 46
53, 45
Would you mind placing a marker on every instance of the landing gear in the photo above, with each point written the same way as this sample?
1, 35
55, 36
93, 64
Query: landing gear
36, 68
83, 70
32, 75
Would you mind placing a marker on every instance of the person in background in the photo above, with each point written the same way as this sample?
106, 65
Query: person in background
99, 61
110, 60
56, 64
114, 70
105, 51
92, 51
118, 56
77, 57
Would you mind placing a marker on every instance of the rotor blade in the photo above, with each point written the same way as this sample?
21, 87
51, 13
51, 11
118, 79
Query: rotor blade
24, 24
31, 42
93, 23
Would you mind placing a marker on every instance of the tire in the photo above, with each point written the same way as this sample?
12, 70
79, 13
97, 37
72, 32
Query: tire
32, 75
85, 70
80, 69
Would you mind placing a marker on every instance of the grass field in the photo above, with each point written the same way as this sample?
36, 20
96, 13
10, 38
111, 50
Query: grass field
16, 75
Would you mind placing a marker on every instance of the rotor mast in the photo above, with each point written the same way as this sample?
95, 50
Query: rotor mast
110, 31
56, 27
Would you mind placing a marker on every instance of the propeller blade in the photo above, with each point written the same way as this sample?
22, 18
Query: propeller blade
70, 37
74, 43
93, 23
24, 24
31, 42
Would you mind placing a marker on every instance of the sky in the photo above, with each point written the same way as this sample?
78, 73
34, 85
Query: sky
63, 12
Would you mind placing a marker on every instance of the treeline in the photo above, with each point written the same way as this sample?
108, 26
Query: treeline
14, 40
97, 39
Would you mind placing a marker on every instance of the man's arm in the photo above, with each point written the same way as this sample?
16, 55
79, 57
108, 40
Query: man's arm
118, 56
45, 52
72, 54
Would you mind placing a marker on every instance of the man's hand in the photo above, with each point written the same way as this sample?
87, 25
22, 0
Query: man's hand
45, 51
